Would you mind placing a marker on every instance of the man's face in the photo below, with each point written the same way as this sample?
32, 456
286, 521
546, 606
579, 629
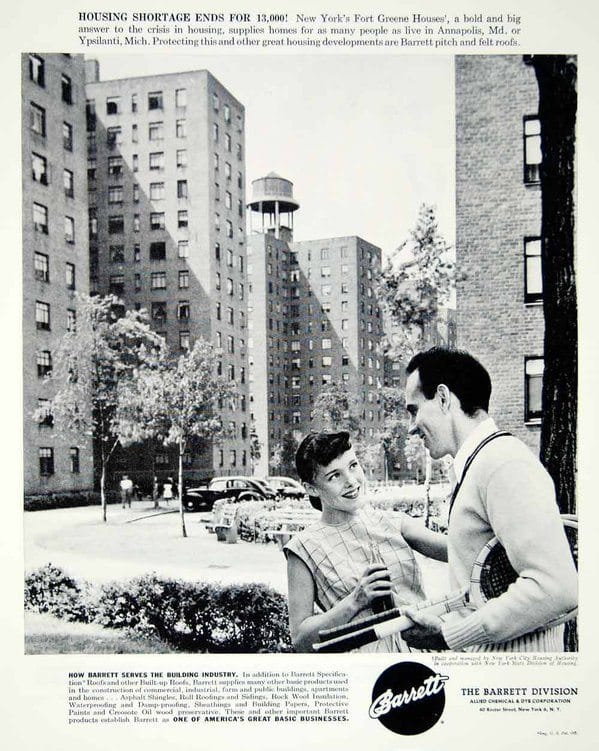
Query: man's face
428, 419
340, 484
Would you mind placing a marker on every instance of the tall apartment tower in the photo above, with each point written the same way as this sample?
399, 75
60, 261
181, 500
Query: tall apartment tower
166, 176
314, 319
498, 249
55, 256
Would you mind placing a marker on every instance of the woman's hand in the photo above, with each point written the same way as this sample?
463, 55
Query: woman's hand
374, 582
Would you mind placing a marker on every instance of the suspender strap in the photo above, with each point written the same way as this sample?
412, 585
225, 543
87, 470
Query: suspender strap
481, 445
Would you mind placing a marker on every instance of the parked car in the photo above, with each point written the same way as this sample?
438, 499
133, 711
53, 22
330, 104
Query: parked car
202, 498
287, 487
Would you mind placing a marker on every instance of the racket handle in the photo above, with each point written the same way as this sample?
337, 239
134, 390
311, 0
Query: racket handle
364, 636
348, 628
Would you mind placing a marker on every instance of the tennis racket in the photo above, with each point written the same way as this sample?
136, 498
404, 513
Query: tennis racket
491, 575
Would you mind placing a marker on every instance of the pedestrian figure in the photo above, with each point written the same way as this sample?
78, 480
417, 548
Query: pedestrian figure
126, 490
167, 490
156, 492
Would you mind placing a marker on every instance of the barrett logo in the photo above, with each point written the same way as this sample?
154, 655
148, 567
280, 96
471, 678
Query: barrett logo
408, 698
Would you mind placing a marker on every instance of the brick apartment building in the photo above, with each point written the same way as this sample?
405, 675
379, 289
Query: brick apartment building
55, 257
498, 242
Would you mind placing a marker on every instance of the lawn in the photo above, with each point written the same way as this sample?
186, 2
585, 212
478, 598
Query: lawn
45, 634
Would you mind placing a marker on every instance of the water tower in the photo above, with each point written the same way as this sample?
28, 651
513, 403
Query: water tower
273, 202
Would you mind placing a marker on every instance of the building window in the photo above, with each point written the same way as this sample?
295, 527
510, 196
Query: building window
227, 113
115, 166
159, 311
156, 131
180, 97
239, 151
158, 280
155, 100
183, 311
157, 220
156, 191
327, 361
44, 363
114, 136
227, 142
117, 254
116, 224
228, 200
215, 132
46, 458
181, 128
135, 162
135, 192
181, 188
37, 70
42, 315
184, 340
74, 457
69, 230
136, 223
183, 248
158, 251
181, 157
230, 287
117, 283
40, 218
68, 183
533, 374
326, 344
133, 102
37, 119
231, 345
325, 290
115, 194
71, 320
39, 169
90, 115
66, 87
70, 275
157, 160
183, 279
137, 282
112, 105
136, 253
229, 225
182, 218
532, 149
533, 277
41, 265
215, 102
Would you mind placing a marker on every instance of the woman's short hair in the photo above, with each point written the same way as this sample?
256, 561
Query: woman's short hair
319, 450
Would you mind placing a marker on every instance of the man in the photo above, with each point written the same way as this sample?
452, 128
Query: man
502, 491
126, 490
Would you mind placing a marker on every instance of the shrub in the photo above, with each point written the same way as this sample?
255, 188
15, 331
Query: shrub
50, 590
72, 499
192, 617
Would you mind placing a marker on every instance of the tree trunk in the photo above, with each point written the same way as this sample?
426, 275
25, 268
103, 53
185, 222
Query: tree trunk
181, 507
103, 489
556, 76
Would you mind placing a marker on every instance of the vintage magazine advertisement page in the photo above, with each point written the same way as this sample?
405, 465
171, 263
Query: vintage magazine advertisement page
300, 355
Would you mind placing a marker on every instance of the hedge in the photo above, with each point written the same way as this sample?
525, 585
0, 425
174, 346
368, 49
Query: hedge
192, 617
47, 501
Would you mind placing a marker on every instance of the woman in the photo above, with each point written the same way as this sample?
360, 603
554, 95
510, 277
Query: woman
355, 554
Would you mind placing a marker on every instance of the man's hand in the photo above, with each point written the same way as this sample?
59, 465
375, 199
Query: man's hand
425, 633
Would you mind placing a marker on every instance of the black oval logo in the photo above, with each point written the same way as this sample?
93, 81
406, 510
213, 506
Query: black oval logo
408, 698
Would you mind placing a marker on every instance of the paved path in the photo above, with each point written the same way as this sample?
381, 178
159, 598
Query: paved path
136, 541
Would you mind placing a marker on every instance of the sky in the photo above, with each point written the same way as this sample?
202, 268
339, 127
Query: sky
365, 139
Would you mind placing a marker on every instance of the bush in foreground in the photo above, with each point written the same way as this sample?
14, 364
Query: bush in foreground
192, 617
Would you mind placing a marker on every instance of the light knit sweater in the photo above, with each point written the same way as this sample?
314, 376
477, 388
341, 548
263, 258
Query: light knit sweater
507, 493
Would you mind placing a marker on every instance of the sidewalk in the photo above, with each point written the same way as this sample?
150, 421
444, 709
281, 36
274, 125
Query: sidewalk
136, 541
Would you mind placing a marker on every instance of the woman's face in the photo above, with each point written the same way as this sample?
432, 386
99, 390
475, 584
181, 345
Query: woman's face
340, 484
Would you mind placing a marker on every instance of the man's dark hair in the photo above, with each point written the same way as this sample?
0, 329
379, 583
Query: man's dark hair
318, 450
460, 372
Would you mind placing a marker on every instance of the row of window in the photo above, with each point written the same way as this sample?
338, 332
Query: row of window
43, 318
41, 266
46, 460
41, 223
37, 124
232, 458
40, 173
37, 74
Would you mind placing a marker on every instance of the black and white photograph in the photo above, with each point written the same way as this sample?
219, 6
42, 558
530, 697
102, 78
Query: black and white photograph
299, 392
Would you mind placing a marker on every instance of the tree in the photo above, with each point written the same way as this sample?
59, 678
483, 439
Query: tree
394, 431
173, 400
417, 456
282, 462
255, 446
104, 351
416, 281
557, 78
335, 409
